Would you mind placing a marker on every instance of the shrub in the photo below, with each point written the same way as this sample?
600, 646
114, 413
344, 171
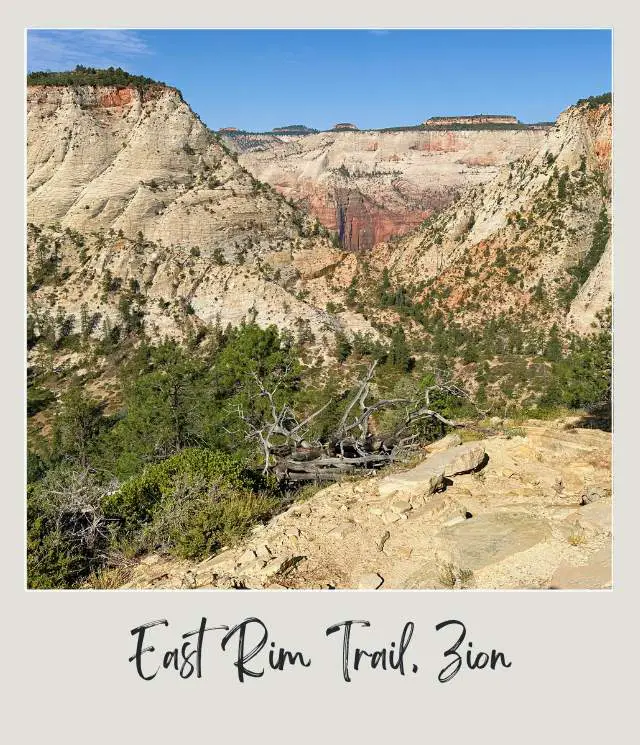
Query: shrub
66, 530
343, 347
190, 503
196, 519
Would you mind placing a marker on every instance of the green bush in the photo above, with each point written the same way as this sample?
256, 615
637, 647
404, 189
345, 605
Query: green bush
195, 521
52, 558
59, 552
583, 378
189, 504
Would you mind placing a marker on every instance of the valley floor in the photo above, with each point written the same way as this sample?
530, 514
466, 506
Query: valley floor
534, 512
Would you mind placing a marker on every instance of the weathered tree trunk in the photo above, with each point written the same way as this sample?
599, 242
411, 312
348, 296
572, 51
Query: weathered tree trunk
351, 446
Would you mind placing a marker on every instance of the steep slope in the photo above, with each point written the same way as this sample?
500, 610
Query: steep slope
525, 243
106, 157
128, 189
371, 185
175, 292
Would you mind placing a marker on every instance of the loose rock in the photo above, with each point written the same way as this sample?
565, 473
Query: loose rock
370, 581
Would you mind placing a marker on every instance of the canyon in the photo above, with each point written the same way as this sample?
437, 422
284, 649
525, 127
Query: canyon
371, 185
539, 223
353, 244
157, 195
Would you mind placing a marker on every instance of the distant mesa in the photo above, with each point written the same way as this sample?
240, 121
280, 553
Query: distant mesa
439, 121
344, 125
294, 129
228, 129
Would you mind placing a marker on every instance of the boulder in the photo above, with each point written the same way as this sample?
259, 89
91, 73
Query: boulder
400, 506
593, 518
390, 517
460, 459
247, 556
427, 476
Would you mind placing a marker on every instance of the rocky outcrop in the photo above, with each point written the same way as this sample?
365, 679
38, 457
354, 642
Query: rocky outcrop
515, 523
429, 475
369, 186
157, 195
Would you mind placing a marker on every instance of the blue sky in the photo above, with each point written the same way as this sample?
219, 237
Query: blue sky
260, 79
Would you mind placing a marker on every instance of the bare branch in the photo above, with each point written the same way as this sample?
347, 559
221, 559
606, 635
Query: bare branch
363, 389
351, 446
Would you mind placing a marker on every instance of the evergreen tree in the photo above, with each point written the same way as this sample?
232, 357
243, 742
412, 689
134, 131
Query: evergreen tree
77, 424
553, 348
399, 355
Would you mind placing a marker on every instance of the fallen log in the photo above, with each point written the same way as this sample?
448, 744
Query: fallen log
322, 475
340, 463
291, 452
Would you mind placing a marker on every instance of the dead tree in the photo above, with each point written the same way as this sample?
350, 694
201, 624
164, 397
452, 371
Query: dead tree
290, 453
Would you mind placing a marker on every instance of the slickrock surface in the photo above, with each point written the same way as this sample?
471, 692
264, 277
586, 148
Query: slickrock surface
431, 473
101, 158
517, 521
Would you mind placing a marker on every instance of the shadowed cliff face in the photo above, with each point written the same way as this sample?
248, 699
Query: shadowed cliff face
361, 223
370, 186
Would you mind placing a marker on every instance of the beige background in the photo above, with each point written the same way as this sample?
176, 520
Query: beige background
573, 678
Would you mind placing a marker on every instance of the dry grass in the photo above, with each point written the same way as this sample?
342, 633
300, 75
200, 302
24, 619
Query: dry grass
577, 537
108, 579
452, 576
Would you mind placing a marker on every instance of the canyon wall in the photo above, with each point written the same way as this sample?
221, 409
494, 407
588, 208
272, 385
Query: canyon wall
532, 243
123, 159
156, 196
369, 186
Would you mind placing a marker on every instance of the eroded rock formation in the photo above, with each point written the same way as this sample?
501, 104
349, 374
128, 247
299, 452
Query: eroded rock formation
371, 185
506, 246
